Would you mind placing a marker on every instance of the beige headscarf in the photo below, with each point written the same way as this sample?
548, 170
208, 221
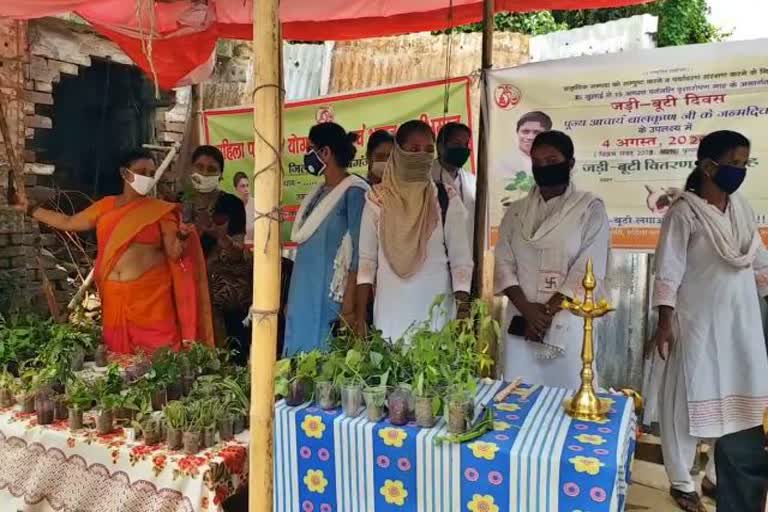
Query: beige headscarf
409, 212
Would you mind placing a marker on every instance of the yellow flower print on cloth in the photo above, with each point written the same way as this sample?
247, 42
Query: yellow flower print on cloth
394, 492
393, 436
507, 407
313, 426
482, 504
589, 465
501, 425
590, 439
484, 450
315, 481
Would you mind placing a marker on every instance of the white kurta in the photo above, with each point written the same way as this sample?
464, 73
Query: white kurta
718, 326
541, 273
399, 303
465, 184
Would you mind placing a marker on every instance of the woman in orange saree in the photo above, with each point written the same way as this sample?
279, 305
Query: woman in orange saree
150, 270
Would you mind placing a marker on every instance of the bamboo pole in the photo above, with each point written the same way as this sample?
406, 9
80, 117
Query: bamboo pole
482, 285
267, 117
481, 205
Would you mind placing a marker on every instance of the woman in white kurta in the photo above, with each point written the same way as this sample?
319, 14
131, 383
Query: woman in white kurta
545, 240
407, 249
711, 267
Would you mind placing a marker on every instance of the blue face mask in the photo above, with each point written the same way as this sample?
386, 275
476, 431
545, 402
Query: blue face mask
729, 178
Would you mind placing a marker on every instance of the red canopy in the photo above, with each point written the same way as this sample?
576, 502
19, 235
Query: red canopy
185, 31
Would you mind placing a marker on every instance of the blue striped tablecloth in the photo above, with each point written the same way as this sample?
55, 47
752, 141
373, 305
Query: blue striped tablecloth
536, 459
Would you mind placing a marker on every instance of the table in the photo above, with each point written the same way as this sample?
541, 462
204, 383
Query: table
50, 468
536, 459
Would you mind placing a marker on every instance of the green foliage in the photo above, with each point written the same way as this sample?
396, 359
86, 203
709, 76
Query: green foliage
107, 388
680, 21
80, 394
176, 415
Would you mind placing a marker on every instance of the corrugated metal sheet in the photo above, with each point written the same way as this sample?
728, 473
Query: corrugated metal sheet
305, 68
414, 58
635, 33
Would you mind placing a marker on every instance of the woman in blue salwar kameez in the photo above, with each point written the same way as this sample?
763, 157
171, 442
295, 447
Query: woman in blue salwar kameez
327, 231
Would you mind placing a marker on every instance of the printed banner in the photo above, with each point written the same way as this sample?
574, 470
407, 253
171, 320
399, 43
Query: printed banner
636, 120
364, 112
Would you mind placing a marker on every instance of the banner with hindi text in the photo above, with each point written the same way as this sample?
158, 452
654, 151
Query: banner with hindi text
636, 120
363, 112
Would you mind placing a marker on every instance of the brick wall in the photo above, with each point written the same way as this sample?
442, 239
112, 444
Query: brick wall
33, 58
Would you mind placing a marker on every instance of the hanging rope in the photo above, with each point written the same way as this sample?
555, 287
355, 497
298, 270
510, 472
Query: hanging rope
146, 39
448, 59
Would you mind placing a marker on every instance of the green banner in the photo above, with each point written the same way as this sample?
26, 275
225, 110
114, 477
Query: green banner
364, 112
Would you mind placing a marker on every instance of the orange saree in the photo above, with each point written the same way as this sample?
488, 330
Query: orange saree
167, 304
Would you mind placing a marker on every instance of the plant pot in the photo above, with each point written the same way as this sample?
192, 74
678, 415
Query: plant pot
458, 418
123, 414
77, 359
325, 394
159, 399
75, 419
6, 399
100, 356
191, 442
352, 400
44, 410
238, 424
297, 392
174, 438
408, 392
374, 403
227, 428
398, 407
187, 383
425, 414
27, 403
209, 437
105, 423
174, 391
151, 436
60, 411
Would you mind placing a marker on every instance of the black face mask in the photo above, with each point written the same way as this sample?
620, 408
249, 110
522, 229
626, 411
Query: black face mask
729, 178
456, 156
552, 175
313, 164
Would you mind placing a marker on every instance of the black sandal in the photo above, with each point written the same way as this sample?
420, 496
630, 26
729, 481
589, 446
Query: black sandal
688, 501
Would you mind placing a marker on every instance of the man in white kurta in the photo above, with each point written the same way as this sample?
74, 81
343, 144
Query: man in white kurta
400, 303
543, 248
711, 267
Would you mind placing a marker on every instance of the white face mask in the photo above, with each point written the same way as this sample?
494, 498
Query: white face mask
204, 183
143, 185
377, 168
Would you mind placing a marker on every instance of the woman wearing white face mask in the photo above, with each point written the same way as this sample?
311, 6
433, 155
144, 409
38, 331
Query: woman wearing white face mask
220, 217
377, 153
149, 269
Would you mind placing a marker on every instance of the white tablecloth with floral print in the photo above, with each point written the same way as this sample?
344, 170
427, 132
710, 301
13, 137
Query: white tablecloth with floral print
50, 468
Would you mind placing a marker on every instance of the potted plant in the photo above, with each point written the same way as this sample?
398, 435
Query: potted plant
192, 435
80, 398
8, 389
148, 423
294, 377
100, 356
175, 422
166, 375
107, 390
209, 412
375, 397
60, 409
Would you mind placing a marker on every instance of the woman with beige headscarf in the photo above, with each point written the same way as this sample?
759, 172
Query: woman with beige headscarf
413, 249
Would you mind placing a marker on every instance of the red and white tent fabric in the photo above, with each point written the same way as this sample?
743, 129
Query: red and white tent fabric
183, 33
